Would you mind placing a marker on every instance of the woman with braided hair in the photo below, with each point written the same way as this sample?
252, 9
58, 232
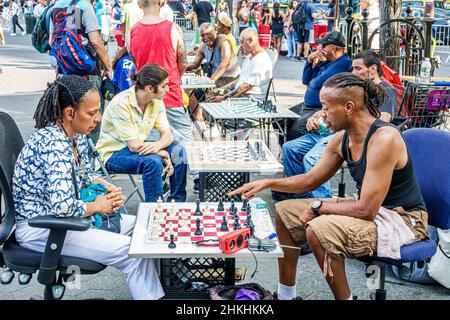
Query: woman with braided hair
389, 211
50, 170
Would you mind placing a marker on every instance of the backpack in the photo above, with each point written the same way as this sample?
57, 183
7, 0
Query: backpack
67, 46
39, 36
299, 15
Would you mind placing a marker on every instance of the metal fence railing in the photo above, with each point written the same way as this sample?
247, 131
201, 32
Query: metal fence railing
185, 24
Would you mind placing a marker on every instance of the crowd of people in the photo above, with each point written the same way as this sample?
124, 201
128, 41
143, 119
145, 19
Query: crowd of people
143, 130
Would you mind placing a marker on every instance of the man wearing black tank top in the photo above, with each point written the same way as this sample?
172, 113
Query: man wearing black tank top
388, 199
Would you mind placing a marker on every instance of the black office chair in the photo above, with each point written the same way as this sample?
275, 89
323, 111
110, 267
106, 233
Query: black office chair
54, 269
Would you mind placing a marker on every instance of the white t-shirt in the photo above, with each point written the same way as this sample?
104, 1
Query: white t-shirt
15, 9
256, 71
38, 9
166, 13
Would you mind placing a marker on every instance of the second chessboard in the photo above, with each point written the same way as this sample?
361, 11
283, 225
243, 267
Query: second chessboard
238, 156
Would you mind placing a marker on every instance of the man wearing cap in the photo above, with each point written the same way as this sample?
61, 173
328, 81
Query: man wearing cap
322, 64
222, 64
224, 24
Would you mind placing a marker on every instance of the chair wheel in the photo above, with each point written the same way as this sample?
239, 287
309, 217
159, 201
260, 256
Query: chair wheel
24, 278
58, 291
6, 277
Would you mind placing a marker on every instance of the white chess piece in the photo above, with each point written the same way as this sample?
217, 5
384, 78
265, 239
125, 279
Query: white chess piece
159, 203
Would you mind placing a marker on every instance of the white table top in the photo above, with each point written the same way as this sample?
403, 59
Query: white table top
244, 108
235, 156
196, 82
143, 246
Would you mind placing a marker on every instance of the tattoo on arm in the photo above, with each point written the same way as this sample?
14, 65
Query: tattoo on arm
181, 46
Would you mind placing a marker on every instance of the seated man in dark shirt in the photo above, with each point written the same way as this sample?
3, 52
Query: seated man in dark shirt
322, 64
389, 197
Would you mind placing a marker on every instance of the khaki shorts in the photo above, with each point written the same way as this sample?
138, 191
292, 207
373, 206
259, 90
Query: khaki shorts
341, 236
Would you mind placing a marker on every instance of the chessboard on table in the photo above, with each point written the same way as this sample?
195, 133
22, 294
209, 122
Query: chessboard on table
155, 223
237, 156
193, 81
247, 108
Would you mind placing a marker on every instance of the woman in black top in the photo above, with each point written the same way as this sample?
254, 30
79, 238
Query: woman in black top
277, 26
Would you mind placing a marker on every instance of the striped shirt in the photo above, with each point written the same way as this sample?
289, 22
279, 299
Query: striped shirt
42, 183
123, 121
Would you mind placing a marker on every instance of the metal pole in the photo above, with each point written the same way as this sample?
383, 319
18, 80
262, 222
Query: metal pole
349, 19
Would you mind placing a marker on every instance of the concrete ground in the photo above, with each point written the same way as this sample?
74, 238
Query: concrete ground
24, 77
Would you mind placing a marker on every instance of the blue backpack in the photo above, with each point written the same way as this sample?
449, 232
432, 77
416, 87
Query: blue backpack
67, 46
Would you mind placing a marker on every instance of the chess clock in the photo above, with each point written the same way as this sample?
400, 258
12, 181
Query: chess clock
234, 241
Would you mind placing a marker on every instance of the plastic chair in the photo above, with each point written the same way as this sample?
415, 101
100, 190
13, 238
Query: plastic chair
432, 170
53, 268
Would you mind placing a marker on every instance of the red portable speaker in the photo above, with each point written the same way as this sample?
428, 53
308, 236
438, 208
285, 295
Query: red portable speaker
234, 241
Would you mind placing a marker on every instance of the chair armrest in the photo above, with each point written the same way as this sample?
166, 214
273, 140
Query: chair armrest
54, 223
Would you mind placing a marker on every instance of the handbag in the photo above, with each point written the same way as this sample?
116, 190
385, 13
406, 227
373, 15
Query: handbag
207, 66
107, 222
439, 265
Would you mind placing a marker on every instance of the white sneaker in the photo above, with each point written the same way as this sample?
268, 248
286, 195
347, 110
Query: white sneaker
12, 34
24, 33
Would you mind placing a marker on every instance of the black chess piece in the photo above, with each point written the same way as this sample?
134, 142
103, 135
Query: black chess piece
172, 244
244, 205
252, 229
198, 212
224, 225
198, 232
232, 205
248, 221
220, 207
236, 225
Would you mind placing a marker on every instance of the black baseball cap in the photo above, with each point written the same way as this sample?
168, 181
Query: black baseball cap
334, 37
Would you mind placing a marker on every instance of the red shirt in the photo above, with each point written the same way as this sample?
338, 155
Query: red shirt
152, 43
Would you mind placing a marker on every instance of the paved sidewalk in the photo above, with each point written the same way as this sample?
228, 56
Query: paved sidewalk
25, 73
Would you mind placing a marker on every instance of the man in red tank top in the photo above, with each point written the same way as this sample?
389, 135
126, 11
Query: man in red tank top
156, 40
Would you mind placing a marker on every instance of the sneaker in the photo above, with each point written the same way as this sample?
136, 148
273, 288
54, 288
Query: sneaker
275, 297
12, 34
24, 33
196, 188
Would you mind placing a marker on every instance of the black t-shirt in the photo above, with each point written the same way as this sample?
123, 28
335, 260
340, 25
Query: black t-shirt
203, 11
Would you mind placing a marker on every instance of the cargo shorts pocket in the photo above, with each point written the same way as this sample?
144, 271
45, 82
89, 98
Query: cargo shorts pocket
361, 239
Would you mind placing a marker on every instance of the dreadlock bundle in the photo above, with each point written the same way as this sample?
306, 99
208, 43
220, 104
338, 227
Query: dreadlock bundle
64, 91
374, 94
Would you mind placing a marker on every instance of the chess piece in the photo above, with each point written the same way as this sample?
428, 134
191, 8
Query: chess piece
220, 207
224, 225
172, 244
232, 206
198, 212
244, 205
236, 225
248, 221
159, 203
198, 232
252, 229
172, 207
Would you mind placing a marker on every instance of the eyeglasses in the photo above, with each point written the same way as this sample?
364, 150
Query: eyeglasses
205, 35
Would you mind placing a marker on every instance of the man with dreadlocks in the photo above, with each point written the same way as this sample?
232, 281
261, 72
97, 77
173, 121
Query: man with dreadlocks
53, 165
389, 211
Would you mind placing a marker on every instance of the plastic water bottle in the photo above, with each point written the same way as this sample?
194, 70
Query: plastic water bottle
425, 71
322, 126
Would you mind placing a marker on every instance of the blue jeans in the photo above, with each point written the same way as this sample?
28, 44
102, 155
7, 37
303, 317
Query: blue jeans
300, 156
292, 38
151, 168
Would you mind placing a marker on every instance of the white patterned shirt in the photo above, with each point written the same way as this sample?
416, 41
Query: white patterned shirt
42, 183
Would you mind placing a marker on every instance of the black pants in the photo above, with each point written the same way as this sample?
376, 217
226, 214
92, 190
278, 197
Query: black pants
15, 21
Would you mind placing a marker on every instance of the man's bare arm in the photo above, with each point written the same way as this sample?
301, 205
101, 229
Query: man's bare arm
180, 48
384, 152
198, 59
225, 54
322, 172
97, 43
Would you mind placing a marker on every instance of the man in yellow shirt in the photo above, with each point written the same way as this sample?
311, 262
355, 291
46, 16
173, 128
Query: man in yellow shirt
126, 125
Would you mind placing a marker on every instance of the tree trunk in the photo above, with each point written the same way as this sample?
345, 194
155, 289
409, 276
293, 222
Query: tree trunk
390, 45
